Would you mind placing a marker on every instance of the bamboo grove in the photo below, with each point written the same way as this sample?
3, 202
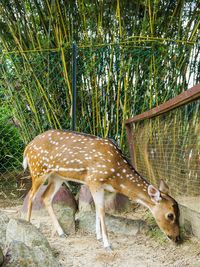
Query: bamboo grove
132, 56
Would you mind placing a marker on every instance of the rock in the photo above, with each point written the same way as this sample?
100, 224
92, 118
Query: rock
117, 203
66, 218
3, 225
62, 196
1, 257
23, 231
27, 246
117, 225
21, 255
64, 205
114, 202
85, 199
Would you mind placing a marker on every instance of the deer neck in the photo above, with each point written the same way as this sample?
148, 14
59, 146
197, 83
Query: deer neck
132, 185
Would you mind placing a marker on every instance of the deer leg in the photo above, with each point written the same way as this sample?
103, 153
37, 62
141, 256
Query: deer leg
36, 183
47, 197
98, 196
98, 226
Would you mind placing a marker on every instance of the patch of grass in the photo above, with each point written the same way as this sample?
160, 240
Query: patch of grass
156, 233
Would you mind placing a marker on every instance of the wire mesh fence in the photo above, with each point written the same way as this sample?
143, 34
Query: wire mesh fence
11, 151
168, 147
113, 82
39, 88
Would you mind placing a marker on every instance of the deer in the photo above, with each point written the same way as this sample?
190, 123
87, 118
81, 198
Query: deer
59, 156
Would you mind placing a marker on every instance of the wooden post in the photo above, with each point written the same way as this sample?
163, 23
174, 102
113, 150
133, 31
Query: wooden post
130, 137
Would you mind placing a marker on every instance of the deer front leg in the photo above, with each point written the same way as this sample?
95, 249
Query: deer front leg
98, 196
98, 226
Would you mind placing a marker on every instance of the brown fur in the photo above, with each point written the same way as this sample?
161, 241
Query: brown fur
97, 162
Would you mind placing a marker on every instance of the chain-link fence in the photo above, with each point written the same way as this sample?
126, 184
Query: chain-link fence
119, 81
35, 96
167, 147
113, 82
11, 150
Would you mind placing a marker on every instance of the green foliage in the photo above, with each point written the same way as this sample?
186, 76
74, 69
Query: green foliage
132, 56
50, 24
10, 142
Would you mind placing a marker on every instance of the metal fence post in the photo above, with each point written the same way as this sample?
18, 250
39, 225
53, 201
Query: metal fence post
74, 92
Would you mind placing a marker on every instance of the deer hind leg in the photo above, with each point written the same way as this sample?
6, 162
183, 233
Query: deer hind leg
98, 196
36, 183
47, 197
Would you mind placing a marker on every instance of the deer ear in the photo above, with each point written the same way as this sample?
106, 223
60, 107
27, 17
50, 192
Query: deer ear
164, 187
154, 193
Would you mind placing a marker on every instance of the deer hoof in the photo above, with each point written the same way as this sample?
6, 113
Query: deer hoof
63, 235
109, 249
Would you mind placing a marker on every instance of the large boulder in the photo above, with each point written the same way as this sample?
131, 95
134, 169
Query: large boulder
3, 225
117, 225
23, 231
64, 205
27, 246
21, 255
114, 202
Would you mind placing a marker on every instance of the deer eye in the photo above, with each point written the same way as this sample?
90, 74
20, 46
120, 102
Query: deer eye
170, 216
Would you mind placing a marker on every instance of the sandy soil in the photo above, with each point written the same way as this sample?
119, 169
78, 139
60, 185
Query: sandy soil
82, 249
141, 251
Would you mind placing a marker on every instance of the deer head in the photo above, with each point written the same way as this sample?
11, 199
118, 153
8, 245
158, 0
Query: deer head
165, 211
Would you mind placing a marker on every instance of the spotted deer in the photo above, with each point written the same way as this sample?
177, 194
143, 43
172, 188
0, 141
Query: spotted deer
61, 156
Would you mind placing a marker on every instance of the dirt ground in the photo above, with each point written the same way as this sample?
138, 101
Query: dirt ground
82, 249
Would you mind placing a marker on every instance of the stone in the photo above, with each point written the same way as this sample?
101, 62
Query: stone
117, 203
62, 196
1, 257
66, 218
64, 205
117, 225
23, 231
3, 225
27, 246
114, 202
85, 200
21, 255
190, 220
